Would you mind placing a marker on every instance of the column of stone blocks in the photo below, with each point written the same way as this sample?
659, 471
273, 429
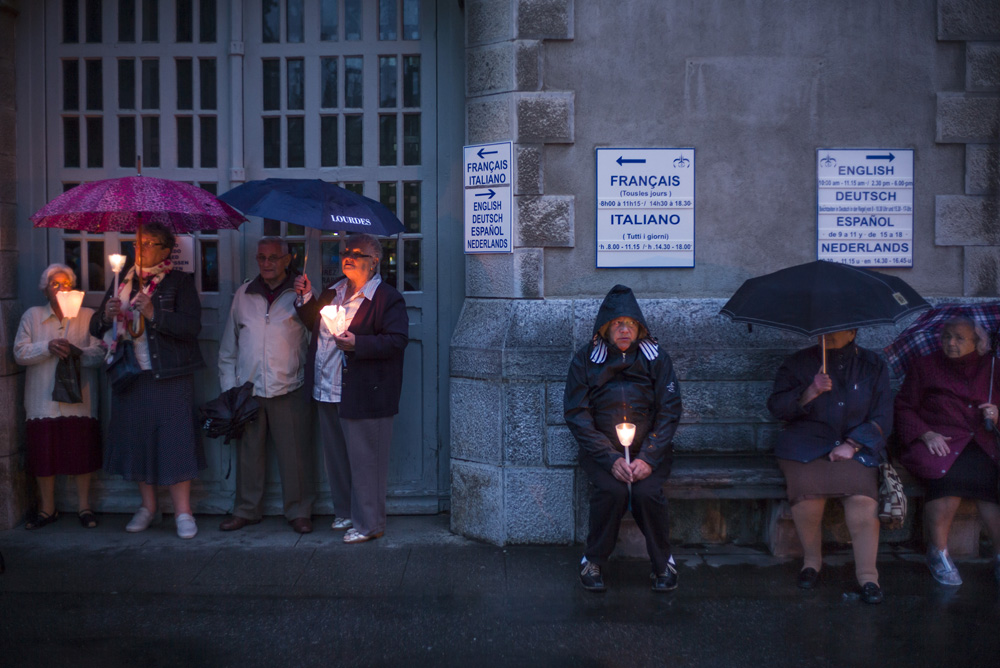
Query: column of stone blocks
972, 117
514, 478
13, 495
507, 101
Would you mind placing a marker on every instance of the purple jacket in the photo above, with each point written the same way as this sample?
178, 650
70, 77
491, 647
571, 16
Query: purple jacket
940, 394
373, 376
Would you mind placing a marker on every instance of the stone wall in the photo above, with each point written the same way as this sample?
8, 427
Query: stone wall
13, 494
756, 88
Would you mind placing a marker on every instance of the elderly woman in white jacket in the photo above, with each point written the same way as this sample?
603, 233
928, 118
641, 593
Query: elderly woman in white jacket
62, 438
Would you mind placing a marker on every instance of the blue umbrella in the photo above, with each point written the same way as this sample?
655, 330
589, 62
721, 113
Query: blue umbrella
313, 203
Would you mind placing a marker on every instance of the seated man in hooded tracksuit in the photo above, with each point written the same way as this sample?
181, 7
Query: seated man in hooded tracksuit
623, 375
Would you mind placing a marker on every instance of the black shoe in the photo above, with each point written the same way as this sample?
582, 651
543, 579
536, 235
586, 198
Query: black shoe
665, 581
808, 577
871, 593
590, 576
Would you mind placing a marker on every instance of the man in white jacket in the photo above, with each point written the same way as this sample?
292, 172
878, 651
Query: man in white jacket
264, 342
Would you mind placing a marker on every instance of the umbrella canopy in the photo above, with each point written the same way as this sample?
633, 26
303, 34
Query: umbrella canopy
822, 297
923, 337
228, 414
123, 205
313, 203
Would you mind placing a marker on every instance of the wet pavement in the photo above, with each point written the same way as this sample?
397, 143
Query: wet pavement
421, 596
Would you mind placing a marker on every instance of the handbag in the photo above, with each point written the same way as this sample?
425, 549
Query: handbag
891, 497
123, 367
66, 389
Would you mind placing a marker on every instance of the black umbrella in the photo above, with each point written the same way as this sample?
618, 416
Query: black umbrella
822, 297
229, 413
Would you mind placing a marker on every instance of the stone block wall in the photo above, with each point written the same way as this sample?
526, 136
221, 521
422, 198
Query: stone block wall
13, 494
507, 101
971, 118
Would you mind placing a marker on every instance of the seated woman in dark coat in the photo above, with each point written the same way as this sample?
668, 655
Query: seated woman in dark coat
941, 414
831, 445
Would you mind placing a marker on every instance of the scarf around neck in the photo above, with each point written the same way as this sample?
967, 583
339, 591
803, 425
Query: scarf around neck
152, 276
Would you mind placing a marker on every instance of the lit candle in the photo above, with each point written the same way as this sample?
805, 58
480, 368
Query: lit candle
626, 432
69, 302
117, 264
335, 318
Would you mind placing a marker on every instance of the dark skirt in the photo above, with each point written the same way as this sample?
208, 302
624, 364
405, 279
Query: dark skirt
822, 479
972, 476
63, 446
152, 436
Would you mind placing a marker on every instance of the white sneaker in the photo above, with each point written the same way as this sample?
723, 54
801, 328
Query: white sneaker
141, 520
186, 526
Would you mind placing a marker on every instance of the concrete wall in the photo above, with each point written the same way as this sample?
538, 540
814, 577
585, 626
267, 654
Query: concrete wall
12, 478
755, 87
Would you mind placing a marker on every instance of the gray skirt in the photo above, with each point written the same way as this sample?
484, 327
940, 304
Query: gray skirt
823, 479
152, 435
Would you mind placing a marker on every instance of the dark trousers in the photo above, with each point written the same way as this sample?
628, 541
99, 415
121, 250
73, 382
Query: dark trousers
608, 503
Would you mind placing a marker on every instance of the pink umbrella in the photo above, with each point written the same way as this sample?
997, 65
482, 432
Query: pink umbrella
125, 204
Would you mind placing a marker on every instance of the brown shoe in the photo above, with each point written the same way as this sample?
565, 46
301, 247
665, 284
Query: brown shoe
302, 525
235, 523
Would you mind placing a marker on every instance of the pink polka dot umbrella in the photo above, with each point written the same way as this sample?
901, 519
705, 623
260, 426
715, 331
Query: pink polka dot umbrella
124, 204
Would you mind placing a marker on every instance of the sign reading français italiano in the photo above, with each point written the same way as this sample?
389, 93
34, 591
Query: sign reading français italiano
487, 177
865, 206
645, 207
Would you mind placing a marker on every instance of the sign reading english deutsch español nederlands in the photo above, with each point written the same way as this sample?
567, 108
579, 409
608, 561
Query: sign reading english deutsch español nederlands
487, 179
865, 206
645, 207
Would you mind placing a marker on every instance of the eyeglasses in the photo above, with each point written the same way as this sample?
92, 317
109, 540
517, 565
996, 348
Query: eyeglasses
145, 245
56, 285
355, 254
271, 259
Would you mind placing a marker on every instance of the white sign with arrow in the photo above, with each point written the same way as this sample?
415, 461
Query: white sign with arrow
488, 213
864, 206
645, 207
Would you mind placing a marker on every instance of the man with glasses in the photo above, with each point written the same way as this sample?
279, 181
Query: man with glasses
622, 404
265, 343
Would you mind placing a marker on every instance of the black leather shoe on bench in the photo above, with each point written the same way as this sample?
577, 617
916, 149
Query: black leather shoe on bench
665, 581
590, 576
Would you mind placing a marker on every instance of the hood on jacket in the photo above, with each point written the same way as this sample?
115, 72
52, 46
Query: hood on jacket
620, 303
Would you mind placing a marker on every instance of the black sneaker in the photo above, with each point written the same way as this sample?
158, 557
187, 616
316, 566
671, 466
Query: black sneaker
665, 581
871, 593
590, 576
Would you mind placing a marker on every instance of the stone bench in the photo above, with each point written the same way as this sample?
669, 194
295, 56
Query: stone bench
757, 477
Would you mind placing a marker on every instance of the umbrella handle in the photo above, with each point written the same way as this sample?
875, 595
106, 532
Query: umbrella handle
822, 338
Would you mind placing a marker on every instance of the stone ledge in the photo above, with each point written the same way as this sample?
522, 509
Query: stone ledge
967, 118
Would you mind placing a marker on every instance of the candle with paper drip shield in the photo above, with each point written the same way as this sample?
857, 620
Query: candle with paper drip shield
69, 302
626, 432
117, 263
335, 318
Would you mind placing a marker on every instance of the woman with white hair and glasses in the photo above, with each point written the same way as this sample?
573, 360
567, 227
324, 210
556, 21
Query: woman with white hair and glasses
355, 374
941, 418
63, 438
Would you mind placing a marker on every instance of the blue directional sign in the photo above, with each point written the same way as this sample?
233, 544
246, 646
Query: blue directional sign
488, 213
864, 206
645, 207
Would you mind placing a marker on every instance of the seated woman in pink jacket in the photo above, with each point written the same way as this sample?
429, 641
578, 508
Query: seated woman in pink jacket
941, 414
